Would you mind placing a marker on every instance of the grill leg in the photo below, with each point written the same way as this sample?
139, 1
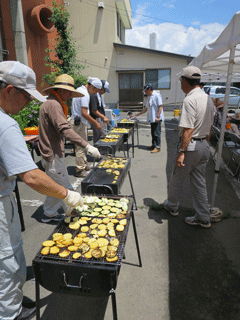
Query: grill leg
133, 143
130, 180
114, 304
37, 288
136, 239
16, 190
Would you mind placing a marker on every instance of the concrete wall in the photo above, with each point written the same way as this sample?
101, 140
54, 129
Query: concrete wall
94, 32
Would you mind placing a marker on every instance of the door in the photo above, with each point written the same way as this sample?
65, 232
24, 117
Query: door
130, 88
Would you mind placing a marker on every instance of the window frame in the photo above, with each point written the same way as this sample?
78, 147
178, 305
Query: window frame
158, 69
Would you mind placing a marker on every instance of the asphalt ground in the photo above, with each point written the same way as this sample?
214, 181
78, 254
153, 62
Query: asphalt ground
187, 273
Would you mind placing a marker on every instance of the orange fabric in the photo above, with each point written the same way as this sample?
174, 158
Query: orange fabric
228, 126
65, 107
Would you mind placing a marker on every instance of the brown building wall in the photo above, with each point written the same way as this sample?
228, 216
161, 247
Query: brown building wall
6, 30
36, 41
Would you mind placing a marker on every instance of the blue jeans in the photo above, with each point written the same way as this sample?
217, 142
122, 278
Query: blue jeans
156, 134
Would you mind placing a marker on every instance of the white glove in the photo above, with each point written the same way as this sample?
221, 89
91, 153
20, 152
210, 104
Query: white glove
73, 199
92, 151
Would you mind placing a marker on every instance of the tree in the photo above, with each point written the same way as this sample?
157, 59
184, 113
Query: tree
65, 49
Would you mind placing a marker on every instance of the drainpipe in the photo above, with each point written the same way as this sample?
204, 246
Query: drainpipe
19, 31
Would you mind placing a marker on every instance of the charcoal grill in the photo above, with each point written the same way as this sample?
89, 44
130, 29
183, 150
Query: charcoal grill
109, 147
82, 277
133, 124
100, 182
126, 136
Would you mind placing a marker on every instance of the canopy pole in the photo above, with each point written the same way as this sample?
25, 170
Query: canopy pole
223, 125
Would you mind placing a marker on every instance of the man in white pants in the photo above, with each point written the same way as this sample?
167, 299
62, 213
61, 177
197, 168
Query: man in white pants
17, 86
193, 153
80, 118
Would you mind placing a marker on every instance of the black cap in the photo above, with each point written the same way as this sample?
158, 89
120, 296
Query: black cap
147, 86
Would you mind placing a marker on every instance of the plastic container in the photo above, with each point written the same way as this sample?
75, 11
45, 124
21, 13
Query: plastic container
176, 112
32, 130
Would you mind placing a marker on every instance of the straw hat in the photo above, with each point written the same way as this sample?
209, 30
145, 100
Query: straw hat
64, 81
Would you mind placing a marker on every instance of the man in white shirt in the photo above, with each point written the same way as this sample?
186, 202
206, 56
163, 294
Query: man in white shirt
79, 122
193, 153
155, 116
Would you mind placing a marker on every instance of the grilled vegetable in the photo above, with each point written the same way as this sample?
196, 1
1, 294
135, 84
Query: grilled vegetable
84, 247
96, 253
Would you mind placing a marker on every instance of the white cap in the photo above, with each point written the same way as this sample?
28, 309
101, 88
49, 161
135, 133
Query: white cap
105, 86
95, 82
20, 76
191, 72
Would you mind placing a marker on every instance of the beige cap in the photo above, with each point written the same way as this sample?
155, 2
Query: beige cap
191, 72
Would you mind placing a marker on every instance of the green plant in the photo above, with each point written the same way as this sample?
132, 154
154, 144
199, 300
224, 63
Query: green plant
65, 49
29, 116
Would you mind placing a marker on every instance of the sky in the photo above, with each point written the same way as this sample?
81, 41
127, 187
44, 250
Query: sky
181, 26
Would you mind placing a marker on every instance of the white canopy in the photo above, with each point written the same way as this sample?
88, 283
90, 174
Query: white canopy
220, 59
214, 58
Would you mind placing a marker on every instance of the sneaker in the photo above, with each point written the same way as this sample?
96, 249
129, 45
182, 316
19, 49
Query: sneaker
195, 222
173, 213
88, 167
156, 150
58, 217
81, 174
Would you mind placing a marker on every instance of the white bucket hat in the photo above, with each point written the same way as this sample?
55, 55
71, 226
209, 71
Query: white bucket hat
20, 76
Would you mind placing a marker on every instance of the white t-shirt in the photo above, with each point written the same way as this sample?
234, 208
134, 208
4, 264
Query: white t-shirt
79, 103
153, 102
197, 113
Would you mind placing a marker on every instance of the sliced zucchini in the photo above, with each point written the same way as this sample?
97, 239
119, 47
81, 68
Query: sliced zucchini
96, 253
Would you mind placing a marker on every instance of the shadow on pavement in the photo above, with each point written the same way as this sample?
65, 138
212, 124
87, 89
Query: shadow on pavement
204, 264
73, 307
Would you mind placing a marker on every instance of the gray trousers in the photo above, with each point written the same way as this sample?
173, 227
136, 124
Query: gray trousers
12, 278
195, 166
98, 133
81, 158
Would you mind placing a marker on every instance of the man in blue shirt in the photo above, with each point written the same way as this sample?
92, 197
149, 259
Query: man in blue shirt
155, 116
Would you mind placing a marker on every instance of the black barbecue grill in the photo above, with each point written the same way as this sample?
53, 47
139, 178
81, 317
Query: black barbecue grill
109, 147
100, 182
131, 124
126, 136
82, 276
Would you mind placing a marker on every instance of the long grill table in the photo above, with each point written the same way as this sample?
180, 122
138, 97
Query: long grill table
99, 181
126, 136
109, 148
123, 123
82, 276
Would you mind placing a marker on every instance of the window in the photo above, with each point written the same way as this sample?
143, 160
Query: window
220, 90
234, 91
159, 78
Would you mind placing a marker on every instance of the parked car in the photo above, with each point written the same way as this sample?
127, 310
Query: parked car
219, 92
